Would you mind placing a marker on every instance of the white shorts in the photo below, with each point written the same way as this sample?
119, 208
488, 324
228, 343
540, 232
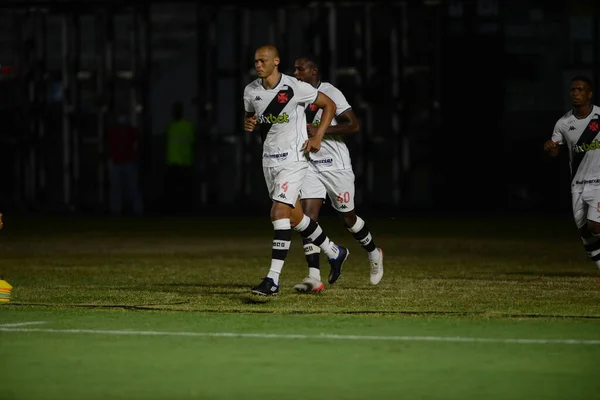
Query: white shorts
284, 182
338, 185
586, 206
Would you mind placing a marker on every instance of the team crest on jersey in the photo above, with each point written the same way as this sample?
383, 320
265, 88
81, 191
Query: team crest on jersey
593, 126
282, 98
313, 107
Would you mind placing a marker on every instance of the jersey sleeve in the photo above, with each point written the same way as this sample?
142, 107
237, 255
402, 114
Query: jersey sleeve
248, 106
306, 93
557, 135
341, 104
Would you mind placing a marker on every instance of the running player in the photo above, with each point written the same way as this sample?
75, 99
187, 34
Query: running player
331, 173
275, 103
579, 130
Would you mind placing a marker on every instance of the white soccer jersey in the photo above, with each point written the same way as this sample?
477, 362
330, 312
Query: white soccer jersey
581, 138
334, 153
281, 118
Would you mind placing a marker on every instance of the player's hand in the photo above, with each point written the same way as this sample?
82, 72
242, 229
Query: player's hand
250, 123
551, 148
312, 145
311, 130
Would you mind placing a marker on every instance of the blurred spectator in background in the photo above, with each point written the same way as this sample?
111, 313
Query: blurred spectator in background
179, 177
123, 142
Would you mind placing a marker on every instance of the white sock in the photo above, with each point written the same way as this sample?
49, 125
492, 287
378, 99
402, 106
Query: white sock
275, 271
314, 273
312, 230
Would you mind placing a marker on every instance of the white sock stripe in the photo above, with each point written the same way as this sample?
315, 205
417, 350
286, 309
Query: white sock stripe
282, 224
318, 232
360, 223
303, 224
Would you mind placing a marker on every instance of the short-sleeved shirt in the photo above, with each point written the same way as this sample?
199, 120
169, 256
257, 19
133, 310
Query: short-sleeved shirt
334, 153
281, 119
582, 139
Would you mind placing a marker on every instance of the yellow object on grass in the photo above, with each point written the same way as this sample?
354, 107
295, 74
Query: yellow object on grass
5, 289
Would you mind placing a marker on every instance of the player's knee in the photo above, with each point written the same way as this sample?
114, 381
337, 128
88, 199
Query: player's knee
311, 209
348, 218
280, 211
593, 227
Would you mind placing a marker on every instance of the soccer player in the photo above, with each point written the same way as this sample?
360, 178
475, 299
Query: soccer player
275, 103
579, 129
330, 173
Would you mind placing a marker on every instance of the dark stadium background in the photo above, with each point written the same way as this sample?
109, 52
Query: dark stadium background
455, 97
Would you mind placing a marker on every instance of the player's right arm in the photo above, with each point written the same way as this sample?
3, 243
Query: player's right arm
250, 118
250, 121
552, 146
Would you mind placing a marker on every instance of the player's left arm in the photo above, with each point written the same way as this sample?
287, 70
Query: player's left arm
347, 124
313, 144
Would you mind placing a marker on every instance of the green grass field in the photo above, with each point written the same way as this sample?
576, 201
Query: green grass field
473, 307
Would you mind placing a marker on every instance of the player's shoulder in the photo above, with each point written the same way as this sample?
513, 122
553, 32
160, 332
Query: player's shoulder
291, 81
565, 117
253, 85
327, 87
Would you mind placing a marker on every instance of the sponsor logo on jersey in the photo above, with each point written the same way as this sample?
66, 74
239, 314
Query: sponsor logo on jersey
274, 119
282, 196
588, 181
257, 98
582, 148
278, 156
572, 128
324, 162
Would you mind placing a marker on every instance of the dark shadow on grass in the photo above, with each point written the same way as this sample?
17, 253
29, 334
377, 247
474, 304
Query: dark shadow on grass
205, 285
555, 274
259, 300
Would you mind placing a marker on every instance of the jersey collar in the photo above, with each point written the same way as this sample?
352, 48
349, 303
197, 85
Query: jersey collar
262, 82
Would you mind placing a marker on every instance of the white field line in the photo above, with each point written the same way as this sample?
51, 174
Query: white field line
309, 337
21, 324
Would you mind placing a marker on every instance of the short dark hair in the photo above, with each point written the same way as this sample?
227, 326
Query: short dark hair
311, 59
583, 78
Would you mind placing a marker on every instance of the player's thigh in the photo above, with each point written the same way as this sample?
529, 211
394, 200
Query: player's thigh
340, 189
579, 209
591, 200
312, 187
284, 182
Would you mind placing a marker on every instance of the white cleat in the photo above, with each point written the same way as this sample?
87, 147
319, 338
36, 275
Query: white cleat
309, 285
377, 269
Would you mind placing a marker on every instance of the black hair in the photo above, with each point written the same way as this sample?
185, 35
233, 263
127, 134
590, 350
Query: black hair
585, 79
312, 60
